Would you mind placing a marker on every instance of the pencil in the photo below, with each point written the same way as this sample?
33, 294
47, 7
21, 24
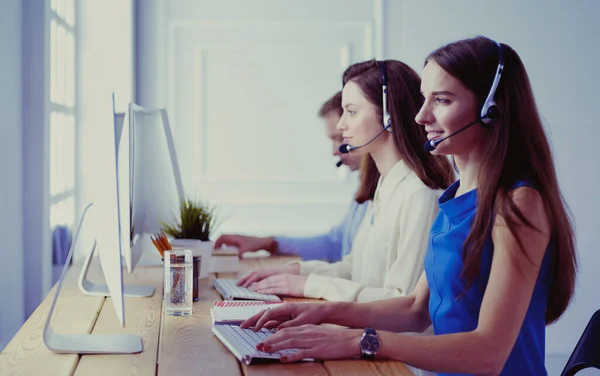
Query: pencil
164, 242
158, 247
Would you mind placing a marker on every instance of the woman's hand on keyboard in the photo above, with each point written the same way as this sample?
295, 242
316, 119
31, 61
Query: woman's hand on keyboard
281, 284
314, 341
262, 274
289, 315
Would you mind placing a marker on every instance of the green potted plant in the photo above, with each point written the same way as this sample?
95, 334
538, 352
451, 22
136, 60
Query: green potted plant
191, 230
197, 219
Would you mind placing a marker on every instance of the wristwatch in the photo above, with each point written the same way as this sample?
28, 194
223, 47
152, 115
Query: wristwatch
369, 344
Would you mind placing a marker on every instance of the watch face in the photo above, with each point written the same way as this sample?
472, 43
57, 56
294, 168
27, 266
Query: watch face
369, 343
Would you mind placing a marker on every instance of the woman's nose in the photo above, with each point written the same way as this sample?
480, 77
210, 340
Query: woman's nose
424, 116
340, 126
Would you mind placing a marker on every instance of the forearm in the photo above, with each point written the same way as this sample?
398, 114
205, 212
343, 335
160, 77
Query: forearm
321, 247
395, 315
340, 269
330, 287
462, 353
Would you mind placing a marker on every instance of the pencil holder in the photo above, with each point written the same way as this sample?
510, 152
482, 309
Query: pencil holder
197, 260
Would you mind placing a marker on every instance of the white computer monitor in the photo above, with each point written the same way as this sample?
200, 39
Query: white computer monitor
124, 153
120, 206
104, 225
155, 185
140, 188
115, 192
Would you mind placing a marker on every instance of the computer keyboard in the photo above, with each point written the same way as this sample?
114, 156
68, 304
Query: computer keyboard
229, 290
242, 343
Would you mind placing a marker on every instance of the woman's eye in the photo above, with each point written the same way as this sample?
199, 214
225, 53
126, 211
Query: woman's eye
442, 100
351, 112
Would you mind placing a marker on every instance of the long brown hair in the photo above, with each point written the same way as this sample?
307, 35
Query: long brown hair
404, 100
516, 148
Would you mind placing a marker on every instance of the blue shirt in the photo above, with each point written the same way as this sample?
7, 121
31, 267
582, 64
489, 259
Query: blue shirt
443, 266
331, 246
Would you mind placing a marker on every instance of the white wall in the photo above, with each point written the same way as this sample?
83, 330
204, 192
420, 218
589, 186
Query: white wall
244, 140
558, 43
11, 252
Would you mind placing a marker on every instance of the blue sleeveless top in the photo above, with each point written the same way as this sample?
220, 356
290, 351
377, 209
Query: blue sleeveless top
443, 266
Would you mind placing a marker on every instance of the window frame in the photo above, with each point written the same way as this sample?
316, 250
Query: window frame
63, 101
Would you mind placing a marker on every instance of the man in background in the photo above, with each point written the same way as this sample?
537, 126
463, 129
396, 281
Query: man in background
331, 246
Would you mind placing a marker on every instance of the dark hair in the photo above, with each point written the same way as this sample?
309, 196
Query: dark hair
333, 104
516, 148
404, 100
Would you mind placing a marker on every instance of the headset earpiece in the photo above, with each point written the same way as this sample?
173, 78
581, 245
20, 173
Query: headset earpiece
492, 114
387, 122
489, 110
387, 119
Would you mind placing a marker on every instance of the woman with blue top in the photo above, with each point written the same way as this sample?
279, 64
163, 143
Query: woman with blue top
501, 261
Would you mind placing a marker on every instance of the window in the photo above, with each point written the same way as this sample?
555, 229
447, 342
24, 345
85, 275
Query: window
62, 113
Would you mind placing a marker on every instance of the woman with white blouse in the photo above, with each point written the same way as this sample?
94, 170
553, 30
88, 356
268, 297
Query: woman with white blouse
402, 180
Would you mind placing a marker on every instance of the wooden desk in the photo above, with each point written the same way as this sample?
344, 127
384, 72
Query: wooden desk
172, 345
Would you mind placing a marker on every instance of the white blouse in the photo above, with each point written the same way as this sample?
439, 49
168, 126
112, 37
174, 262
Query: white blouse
387, 254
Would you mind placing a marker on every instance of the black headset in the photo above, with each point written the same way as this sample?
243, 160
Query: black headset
489, 110
387, 120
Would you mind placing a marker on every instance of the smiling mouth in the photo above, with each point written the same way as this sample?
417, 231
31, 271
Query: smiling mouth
434, 135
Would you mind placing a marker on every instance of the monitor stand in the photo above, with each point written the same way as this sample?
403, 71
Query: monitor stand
86, 343
91, 288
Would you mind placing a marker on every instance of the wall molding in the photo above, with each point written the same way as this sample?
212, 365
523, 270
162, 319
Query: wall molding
179, 35
200, 55
183, 24
373, 31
